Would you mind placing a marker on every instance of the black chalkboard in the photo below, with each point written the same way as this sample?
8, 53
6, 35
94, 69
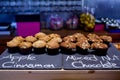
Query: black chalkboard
31, 61
110, 61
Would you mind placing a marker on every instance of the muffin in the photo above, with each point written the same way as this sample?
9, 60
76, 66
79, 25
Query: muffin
39, 46
13, 46
94, 38
100, 48
106, 39
46, 38
69, 38
52, 48
53, 35
39, 35
57, 39
30, 39
19, 38
68, 47
82, 47
25, 48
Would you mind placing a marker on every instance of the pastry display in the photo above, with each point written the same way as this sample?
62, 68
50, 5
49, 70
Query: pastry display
53, 43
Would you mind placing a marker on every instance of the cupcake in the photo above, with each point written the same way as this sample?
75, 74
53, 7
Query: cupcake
13, 46
82, 47
68, 47
52, 48
30, 39
25, 47
39, 46
106, 39
39, 35
100, 48
94, 38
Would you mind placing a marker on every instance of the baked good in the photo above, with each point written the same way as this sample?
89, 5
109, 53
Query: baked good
68, 47
57, 39
39, 35
30, 39
94, 38
39, 46
100, 48
19, 38
13, 46
83, 46
106, 39
46, 38
54, 35
25, 47
52, 48
70, 38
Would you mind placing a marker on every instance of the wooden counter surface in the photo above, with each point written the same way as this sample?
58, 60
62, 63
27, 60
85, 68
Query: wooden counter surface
60, 74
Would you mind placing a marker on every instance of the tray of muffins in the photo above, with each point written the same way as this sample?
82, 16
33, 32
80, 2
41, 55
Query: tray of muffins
51, 51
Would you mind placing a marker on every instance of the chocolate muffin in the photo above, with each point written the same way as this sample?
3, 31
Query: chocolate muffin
106, 39
39, 47
100, 48
25, 48
52, 48
94, 38
68, 47
13, 46
82, 47
30, 39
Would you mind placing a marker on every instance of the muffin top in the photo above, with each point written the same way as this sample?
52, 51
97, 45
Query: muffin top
39, 44
94, 38
78, 35
53, 35
69, 45
19, 38
69, 38
83, 44
13, 43
45, 38
40, 34
106, 38
30, 39
57, 39
25, 45
99, 46
52, 45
